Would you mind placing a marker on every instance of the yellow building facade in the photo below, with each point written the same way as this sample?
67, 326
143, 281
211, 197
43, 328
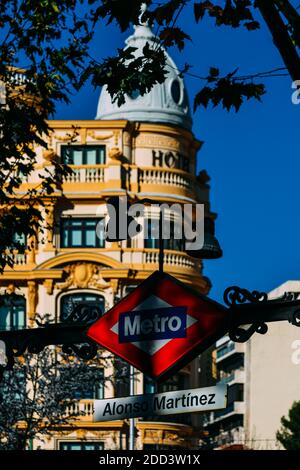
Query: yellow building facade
145, 149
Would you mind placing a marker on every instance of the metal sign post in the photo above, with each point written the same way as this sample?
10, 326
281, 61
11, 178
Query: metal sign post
132, 420
161, 242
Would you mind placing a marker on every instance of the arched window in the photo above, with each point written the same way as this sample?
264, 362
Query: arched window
12, 312
69, 301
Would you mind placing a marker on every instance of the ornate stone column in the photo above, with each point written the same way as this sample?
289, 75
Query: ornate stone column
49, 219
31, 253
32, 297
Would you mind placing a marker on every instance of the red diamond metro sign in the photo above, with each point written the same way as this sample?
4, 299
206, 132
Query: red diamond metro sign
160, 326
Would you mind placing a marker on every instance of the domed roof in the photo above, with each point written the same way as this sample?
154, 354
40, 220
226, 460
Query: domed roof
165, 103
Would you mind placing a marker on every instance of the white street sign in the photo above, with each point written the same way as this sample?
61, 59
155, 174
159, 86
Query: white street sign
181, 401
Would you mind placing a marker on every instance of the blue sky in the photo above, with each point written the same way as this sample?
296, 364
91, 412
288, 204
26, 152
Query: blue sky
251, 156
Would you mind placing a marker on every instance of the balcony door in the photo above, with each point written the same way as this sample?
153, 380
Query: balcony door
81, 232
12, 312
89, 155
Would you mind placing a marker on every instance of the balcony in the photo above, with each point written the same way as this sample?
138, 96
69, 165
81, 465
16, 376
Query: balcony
17, 82
86, 174
82, 410
165, 177
165, 434
222, 341
232, 437
143, 180
173, 259
147, 259
183, 418
228, 379
85, 180
237, 376
181, 182
19, 77
133, 258
235, 408
22, 261
228, 351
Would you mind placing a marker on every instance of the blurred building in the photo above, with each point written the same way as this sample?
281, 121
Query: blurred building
263, 382
145, 148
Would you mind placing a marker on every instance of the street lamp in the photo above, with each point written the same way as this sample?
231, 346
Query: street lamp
210, 250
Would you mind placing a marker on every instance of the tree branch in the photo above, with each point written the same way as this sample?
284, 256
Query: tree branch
289, 12
281, 37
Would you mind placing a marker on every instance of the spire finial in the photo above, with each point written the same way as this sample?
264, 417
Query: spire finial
143, 10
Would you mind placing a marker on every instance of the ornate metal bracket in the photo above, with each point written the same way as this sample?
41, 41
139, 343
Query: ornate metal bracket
236, 295
248, 313
70, 335
251, 311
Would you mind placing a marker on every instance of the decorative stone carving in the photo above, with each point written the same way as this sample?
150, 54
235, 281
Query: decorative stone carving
67, 137
31, 253
80, 433
116, 137
83, 134
11, 289
50, 222
115, 286
32, 295
49, 156
154, 435
83, 275
203, 177
159, 141
115, 153
173, 436
95, 136
49, 284
160, 435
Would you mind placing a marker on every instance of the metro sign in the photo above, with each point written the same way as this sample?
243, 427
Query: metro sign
160, 326
145, 325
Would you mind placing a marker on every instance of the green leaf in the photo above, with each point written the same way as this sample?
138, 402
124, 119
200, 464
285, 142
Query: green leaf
171, 36
227, 91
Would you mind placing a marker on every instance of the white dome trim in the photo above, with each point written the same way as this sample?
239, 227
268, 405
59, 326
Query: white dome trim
166, 103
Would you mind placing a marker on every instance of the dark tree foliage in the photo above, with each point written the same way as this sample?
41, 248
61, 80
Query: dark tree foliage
289, 434
40, 395
229, 89
45, 57
42, 48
